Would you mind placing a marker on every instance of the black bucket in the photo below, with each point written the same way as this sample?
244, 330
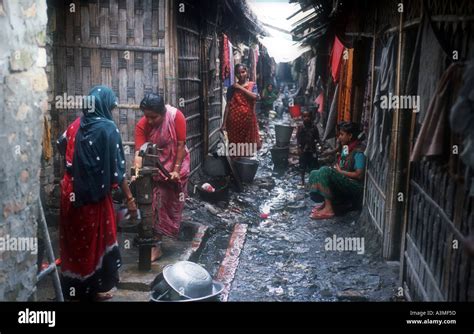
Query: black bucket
280, 156
283, 134
247, 168
216, 166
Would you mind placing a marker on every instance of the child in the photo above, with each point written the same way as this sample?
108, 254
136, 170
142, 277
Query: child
307, 137
269, 96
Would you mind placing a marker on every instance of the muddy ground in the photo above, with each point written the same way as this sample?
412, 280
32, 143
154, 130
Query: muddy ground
285, 257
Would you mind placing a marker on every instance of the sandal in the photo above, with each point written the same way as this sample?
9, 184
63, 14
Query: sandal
318, 215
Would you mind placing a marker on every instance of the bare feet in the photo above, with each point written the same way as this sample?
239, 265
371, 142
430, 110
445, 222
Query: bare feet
156, 253
102, 296
318, 208
322, 215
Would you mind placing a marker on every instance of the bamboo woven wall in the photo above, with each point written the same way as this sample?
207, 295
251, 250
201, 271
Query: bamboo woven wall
189, 87
213, 84
440, 211
376, 189
118, 43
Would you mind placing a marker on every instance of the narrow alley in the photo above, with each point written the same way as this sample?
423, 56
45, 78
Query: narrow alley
238, 151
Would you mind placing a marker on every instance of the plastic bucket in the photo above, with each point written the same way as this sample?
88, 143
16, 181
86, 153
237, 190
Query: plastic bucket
283, 134
246, 168
280, 156
295, 111
215, 166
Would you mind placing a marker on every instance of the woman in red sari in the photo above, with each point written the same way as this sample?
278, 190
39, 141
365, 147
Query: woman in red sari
166, 127
95, 164
240, 119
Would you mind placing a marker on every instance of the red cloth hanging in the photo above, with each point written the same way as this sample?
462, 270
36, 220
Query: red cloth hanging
225, 65
320, 101
336, 55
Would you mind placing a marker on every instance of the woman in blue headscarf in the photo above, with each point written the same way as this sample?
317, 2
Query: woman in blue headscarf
95, 164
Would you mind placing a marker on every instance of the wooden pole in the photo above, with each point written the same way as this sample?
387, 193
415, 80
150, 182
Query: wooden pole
372, 76
204, 64
391, 235
171, 54
411, 142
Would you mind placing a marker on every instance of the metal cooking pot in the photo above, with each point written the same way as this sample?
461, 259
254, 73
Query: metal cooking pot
191, 281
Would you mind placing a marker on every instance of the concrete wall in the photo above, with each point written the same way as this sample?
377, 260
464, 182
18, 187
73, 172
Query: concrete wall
23, 103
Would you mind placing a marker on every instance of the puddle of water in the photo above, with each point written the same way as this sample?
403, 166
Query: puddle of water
279, 200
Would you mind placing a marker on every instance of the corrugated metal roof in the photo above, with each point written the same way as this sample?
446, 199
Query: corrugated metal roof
315, 23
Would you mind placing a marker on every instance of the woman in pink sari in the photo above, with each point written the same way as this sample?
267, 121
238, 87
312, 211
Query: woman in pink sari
165, 126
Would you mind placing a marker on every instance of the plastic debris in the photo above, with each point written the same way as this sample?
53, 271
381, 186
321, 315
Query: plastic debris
208, 187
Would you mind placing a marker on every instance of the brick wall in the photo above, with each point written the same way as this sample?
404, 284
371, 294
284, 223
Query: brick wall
23, 100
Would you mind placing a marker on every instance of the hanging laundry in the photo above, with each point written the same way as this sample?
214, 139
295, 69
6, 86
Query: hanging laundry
225, 64
253, 55
330, 132
432, 137
232, 64
430, 140
311, 75
381, 119
320, 102
366, 105
345, 88
432, 60
237, 57
336, 54
257, 57
213, 55
462, 122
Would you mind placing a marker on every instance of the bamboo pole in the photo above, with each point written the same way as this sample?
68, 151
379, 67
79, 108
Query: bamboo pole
411, 142
390, 246
372, 76
204, 90
171, 54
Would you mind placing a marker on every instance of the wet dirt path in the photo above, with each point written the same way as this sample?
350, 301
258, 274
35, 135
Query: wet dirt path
288, 256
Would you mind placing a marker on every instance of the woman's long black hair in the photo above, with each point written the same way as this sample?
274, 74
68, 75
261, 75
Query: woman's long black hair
353, 129
153, 102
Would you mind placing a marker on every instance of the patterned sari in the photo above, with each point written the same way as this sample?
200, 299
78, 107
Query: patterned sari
95, 164
334, 186
242, 126
169, 196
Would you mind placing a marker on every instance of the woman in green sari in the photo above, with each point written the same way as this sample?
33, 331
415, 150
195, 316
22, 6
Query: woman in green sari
344, 182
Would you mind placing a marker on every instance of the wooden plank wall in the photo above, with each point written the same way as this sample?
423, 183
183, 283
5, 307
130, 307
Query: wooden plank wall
118, 43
